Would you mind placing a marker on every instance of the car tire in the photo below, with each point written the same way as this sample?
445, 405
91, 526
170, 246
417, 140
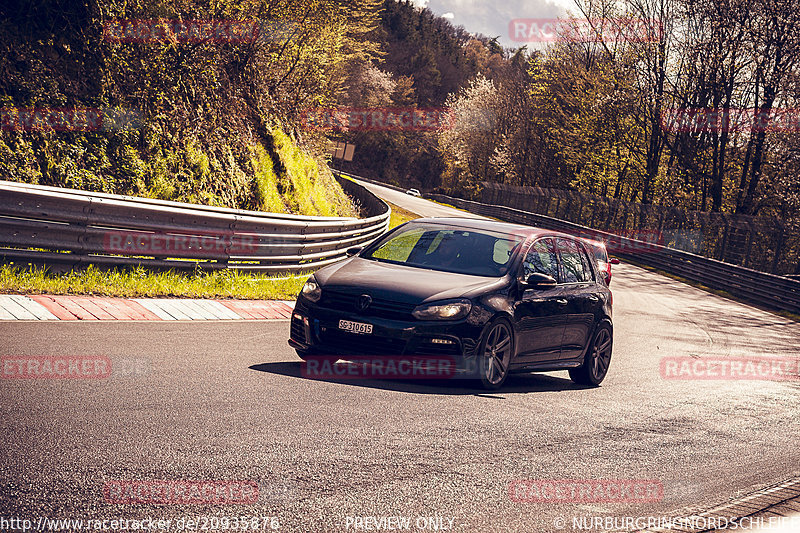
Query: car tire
598, 358
495, 352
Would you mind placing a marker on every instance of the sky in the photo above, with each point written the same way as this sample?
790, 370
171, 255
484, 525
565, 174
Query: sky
492, 17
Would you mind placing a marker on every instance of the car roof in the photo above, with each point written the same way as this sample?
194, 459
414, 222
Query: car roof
493, 225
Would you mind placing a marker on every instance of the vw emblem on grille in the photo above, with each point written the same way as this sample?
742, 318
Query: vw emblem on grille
363, 302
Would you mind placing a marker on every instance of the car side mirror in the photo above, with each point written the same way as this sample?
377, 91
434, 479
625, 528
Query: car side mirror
614, 261
537, 280
353, 251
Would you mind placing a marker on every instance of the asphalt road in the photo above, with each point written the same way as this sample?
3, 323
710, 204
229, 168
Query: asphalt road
422, 207
226, 401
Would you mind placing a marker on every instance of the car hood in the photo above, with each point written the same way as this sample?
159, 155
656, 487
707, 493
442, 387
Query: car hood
402, 283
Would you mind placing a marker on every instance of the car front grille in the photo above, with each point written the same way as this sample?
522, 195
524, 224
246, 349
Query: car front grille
379, 307
351, 343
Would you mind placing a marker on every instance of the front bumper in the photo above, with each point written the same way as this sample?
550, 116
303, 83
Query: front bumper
315, 330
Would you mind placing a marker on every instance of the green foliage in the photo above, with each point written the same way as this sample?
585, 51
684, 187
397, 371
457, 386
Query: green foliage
130, 169
309, 187
204, 108
425, 60
265, 184
400, 215
429, 50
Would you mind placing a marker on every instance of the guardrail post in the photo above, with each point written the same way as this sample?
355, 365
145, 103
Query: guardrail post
747, 260
83, 253
725, 230
778, 249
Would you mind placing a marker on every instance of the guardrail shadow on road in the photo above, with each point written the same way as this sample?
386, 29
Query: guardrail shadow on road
718, 313
515, 383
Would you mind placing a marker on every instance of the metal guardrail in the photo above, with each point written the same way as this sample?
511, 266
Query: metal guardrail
52, 225
769, 290
765, 244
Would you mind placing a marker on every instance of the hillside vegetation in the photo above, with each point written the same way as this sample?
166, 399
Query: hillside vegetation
203, 122
285, 180
223, 122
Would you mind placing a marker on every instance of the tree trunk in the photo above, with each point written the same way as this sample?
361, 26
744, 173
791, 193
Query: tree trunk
748, 204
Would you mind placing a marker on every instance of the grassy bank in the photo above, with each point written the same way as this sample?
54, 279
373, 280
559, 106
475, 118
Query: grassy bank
275, 175
400, 215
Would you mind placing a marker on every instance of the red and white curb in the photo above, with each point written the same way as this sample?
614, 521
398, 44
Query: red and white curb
47, 307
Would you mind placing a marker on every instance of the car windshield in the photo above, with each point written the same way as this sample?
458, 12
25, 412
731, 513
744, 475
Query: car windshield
458, 250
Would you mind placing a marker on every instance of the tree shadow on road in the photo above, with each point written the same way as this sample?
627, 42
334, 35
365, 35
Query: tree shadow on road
516, 383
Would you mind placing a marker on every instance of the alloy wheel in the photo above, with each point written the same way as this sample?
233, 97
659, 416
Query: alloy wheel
497, 354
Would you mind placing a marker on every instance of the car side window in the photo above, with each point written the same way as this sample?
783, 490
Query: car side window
587, 257
573, 262
541, 258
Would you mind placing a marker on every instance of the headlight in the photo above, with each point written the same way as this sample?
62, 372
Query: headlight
312, 290
444, 310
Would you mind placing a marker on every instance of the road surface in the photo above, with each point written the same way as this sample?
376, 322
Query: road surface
226, 401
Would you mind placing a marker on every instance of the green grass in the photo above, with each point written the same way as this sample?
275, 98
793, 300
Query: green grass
265, 184
400, 215
141, 283
308, 187
274, 174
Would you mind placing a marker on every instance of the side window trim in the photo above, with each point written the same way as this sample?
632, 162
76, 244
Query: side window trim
524, 255
557, 256
562, 275
590, 263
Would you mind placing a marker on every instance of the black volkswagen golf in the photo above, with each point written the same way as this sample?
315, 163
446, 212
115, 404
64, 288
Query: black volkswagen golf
496, 297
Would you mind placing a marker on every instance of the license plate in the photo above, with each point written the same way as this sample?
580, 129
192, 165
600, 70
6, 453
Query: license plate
355, 327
